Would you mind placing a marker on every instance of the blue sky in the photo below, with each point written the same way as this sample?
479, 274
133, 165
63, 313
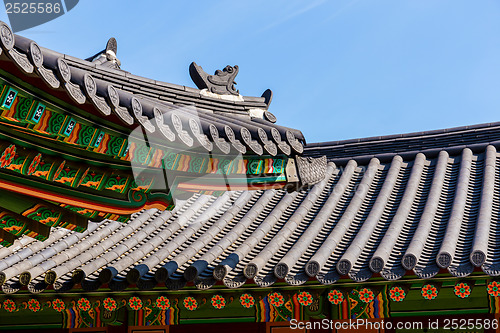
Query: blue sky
338, 69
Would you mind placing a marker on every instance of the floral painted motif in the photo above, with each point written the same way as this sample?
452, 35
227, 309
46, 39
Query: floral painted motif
429, 292
462, 290
305, 298
34, 164
366, 295
9, 305
109, 304
335, 297
218, 302
7, 156
190, 303
494, 288
58, 305
135, 303
163, 303
276, 299
247, 301
83, 304
34, 305
397, 294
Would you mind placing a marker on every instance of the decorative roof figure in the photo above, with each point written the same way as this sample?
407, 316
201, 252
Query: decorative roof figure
222, 82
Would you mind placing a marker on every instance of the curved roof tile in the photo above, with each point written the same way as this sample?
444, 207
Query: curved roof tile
387, 218
412, 204
192, 114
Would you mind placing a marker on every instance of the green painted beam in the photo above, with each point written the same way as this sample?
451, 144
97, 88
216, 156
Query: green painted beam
33, 327
217, 320
439, 312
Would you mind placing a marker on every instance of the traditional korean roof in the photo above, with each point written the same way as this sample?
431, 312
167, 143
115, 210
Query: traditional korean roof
414, 210
85, 140
453, 140
213, 118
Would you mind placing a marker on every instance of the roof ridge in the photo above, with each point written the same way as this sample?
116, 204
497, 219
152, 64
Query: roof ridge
404, 135
452, 140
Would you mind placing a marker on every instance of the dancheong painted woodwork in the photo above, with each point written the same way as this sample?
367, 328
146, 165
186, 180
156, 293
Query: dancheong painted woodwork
205, 212
103, 152
477, 297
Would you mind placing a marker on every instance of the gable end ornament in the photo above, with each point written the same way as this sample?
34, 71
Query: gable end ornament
221, 82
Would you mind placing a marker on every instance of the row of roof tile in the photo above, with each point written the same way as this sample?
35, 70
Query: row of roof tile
390, 219
453, 140
185, 116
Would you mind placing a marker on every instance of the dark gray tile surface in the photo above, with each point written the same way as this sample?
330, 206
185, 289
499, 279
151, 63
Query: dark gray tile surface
114, 91
395, 218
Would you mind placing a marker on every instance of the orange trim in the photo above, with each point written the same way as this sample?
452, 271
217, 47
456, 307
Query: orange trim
200, 187
73, 137
44, 122
103, 146
40, 194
